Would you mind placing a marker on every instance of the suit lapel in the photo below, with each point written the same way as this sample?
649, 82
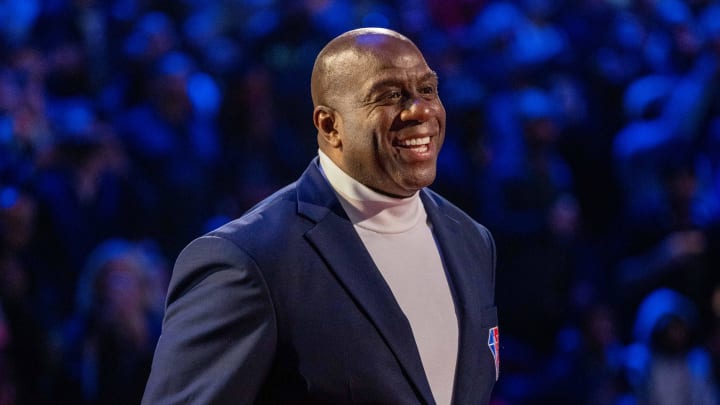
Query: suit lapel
455, 256
338, 243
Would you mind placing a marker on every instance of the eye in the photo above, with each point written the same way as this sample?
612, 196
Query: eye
428, 90
394, 95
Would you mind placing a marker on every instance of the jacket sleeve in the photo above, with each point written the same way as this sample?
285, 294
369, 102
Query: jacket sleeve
219, 331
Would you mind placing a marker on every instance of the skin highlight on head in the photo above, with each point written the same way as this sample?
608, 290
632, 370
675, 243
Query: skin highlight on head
378, 114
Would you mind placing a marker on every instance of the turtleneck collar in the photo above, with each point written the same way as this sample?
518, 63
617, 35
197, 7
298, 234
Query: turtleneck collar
369, 209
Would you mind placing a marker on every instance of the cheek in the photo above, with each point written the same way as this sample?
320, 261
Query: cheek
367, 144
385, 154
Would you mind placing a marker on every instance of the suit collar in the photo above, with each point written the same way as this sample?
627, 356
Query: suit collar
316, 199
338, 243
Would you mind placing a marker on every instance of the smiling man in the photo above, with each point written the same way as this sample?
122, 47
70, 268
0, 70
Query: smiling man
354, 285
378, 112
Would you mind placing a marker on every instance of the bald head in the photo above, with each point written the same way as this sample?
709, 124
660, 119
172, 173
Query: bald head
341, 59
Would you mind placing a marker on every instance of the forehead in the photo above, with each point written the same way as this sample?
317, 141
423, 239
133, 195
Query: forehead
384, 61
384, 52
351, 66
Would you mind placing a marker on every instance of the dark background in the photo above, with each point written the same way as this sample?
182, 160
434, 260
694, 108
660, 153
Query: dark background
585, 134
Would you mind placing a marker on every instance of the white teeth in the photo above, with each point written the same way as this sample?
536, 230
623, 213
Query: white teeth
416, 141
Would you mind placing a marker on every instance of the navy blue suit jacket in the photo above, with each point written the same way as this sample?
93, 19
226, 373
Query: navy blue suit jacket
285, 305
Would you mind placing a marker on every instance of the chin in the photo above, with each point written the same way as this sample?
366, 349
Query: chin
420, 183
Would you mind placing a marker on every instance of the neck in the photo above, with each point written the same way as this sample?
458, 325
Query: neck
368, 208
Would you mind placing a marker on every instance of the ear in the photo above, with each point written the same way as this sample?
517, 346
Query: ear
327, 121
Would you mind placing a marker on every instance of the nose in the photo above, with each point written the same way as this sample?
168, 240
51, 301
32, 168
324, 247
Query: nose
417, 109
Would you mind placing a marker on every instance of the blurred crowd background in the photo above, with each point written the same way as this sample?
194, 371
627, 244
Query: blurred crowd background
584, 133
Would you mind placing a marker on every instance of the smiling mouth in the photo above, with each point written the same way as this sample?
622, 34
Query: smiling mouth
419, 145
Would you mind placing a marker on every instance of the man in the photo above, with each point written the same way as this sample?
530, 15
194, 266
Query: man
355, 284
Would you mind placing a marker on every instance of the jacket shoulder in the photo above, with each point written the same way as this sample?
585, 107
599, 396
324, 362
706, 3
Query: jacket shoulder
448, 208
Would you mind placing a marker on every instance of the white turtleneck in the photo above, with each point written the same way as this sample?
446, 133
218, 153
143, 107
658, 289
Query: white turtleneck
399, 238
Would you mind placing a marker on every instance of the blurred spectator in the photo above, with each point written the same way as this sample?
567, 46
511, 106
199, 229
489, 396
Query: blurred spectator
666, 364
527, 202
492, 34
670, 212
676, 249
172, 141
252, 159
25, 360
151, 36
109, 342
84, 195
596, 362
587, 366
25, 135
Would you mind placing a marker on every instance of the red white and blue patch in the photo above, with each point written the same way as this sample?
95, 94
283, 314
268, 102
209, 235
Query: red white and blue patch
494, 345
